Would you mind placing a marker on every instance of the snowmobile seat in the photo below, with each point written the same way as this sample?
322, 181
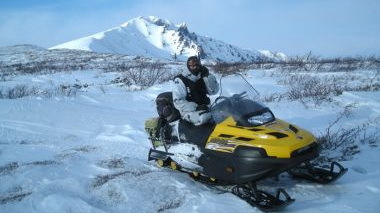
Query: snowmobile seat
197, 135
188, 132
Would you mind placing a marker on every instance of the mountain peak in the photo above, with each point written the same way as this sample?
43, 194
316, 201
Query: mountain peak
149, 20
158, 21
150, 36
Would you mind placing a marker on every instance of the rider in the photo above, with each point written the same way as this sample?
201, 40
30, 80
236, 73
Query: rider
191, 90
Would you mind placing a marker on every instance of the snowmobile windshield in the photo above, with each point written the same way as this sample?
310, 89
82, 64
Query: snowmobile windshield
238, 99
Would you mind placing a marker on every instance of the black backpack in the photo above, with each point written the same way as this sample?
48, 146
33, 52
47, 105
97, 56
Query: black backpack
165, 107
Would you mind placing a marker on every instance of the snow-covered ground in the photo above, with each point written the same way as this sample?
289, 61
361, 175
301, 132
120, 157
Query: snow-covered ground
88, 152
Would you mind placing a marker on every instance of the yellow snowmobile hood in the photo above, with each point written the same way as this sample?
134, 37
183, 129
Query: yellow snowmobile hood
278, 138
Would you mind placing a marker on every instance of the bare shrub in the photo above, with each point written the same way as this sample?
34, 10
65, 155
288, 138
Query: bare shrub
273, 97
4, 76
169, 204
122, 81
372, 83
65, 90
311, 62
304, 87
345, 140
144, 74
103, 179
224, 68
14, 194
20, 91
303, 63
318, 88
10, 167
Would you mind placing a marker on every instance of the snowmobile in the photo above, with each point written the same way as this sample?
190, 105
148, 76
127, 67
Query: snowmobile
245, 143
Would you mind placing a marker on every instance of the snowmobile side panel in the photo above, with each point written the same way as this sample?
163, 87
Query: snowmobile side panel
215, 165
197, 135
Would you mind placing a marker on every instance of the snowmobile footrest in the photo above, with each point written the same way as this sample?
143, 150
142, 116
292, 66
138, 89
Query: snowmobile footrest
263, 200
155, 154
317, 174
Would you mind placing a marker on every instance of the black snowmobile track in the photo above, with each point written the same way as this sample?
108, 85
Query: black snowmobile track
248, 192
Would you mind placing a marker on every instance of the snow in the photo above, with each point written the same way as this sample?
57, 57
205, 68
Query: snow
154, 37
88, 153
275, 55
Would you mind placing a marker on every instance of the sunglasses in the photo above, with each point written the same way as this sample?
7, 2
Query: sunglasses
194, 65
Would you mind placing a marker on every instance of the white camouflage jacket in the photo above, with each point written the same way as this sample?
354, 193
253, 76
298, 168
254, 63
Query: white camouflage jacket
187, 108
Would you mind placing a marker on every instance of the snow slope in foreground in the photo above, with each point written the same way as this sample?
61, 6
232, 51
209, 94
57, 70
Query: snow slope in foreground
88, 153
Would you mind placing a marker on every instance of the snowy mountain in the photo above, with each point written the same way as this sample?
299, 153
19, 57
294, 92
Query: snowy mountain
274, 55
158, 38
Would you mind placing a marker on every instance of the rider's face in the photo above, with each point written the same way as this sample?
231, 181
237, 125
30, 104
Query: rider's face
194, 64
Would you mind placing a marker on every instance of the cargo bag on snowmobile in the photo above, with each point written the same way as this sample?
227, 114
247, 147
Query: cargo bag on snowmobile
165, 107
167, 113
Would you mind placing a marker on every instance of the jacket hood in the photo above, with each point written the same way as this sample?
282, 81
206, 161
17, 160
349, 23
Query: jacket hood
186, 73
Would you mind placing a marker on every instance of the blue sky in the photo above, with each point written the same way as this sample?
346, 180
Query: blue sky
295, 27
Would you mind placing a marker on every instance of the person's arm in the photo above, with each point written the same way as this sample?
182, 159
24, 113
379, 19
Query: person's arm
211, 83
179, 98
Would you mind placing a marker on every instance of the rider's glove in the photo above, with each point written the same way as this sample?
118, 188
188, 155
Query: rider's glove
202, 107
204, 71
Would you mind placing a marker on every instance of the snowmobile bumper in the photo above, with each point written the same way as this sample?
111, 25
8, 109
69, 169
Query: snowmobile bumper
155, 154
250, 164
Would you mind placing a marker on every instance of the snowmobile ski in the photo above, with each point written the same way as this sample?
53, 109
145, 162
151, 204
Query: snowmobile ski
316, 174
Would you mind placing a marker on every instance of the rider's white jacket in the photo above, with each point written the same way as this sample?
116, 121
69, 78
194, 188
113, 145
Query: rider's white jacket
187, 108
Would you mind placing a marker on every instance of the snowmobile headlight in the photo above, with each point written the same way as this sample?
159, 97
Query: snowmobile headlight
261, 119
